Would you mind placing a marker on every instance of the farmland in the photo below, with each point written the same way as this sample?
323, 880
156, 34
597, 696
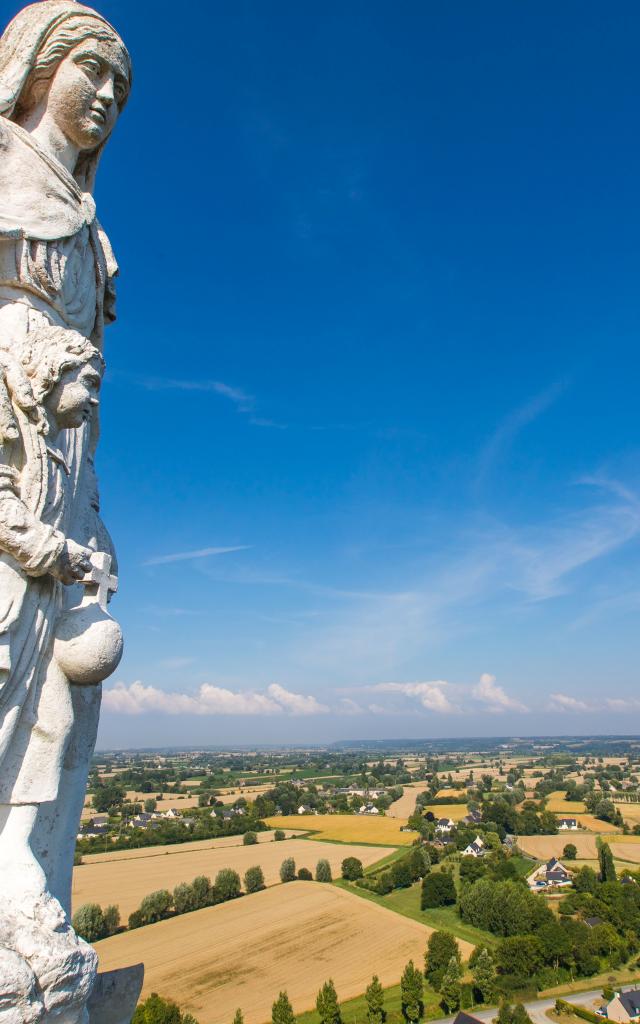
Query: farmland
544, 847
348, 828
124, 879
261, 945
556, 802
406, 805
454, 811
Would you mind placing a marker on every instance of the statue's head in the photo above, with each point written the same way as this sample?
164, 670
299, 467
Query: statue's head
65, 371
63, 61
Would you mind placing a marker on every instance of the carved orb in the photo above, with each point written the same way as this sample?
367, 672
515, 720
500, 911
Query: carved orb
87, 645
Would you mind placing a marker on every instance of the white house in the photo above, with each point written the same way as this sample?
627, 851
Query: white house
444, 824
475, 849
368, 809
567, 824
553, 874
624, 1007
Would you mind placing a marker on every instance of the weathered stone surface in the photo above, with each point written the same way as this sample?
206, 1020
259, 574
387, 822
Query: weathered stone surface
64, 78
115, 995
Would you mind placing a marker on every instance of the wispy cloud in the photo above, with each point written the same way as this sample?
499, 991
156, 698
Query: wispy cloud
185, 556
243, 401
565, 702
138, 699
506, 433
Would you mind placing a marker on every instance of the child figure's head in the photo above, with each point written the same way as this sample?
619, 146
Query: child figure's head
65, 371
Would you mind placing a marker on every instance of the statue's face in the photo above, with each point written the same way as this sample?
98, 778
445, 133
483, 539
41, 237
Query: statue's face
87, 91
76, 393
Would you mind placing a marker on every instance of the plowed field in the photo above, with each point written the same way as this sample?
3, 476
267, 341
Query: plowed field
126, 880
291, 937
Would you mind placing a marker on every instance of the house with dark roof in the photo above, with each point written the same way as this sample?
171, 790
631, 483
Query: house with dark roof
553, 874
624, 1007
466, 1018
475, 849
473, 818
567, 824
444, 825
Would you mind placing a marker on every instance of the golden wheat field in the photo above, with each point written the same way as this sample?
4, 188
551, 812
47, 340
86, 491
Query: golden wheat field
630, 813
557, 803
544, 847
171, 848
291, 937
626, 851
593, 824
348, 828
125, 881
454, 811
406, 805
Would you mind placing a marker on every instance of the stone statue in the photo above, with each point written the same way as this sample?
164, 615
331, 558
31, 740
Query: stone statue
65, 76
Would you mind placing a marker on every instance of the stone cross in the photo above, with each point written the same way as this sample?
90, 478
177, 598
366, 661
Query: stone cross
99, 582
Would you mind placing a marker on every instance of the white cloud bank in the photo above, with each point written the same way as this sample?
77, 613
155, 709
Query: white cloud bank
494, 697
138, 699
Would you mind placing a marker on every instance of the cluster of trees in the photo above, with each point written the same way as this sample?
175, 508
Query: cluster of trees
195, 895
400, 874
156, 1010
171, 831
92, 923
288, 871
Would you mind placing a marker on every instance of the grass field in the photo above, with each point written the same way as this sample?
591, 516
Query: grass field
291, 937
630, 813
354, 1011
348, 828
626, 851
557, 803
593, 824
126, 880
407, 903
406, 805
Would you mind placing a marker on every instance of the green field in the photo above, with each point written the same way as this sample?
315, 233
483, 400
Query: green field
407, 903
354, 1011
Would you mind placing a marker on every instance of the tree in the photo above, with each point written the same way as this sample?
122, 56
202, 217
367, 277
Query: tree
156, 1010
155, 906
253, 879
520, 954
585, 880
327, 1004
238, 1017
570, 852
111, 919
438, 890
281, 1011
520, 1015
352, 869
374, 997
288, 870
323, 871
279, 836
411, 992
305, 875
605, 860
249, 839
419, 863
88, 922
450, 985
227, 884
484, 975
204, 894
440, 948
401, 874
183, 898
150, 805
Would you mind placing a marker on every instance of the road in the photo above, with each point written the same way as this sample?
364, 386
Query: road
537, 1008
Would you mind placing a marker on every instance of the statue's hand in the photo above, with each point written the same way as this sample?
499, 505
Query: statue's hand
72, 563
14, 384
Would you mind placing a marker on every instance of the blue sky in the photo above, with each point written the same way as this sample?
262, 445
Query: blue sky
376, 364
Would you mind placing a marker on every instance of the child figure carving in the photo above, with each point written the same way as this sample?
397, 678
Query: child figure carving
65, 76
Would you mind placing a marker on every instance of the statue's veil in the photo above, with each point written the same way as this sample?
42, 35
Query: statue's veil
19, 47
